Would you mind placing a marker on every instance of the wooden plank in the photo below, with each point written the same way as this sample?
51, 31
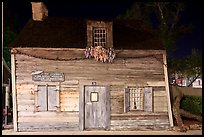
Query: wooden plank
148, 102
143, 124
25, 92
49, 119
21, 81
47, 126
26, 102
167, 90
159, 88
77, 53
160, 109
26, 108
161, 99
13, 70
156, 83
76, 50
139, 116
48, 114
70, 82
25, 97
67, 89
69, 101
159, 93
24, 86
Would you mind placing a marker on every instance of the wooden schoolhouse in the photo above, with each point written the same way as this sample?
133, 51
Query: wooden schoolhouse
88, 74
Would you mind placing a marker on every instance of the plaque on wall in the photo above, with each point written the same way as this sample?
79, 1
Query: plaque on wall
47, 76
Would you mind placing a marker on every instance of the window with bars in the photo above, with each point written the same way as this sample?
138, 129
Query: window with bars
138, 98
99, 36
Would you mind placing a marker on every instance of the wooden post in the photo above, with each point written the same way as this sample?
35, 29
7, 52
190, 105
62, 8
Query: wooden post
81, 107
13, 75
6, 105
167, 89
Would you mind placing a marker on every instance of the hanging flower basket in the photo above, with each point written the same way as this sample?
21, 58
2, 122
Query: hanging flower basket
100, 53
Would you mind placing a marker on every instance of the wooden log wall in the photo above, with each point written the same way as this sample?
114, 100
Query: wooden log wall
125, 71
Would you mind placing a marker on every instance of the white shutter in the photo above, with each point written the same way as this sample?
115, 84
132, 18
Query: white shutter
148, 95
42, 98
127, 100
52, 102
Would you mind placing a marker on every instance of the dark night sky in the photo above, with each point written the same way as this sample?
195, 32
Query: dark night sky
100, 9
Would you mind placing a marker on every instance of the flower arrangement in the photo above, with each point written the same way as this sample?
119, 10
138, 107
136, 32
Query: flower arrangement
100, 53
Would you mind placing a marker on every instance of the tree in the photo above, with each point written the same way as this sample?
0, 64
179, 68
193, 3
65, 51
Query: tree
188, 66
167, 15
11, 29
194, 65
9, 36
163, 17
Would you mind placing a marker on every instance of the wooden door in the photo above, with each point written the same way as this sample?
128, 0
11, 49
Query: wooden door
97, 109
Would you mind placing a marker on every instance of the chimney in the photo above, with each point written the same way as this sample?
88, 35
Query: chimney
39, 11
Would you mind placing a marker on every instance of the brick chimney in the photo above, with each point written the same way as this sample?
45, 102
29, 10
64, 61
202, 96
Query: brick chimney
39, 11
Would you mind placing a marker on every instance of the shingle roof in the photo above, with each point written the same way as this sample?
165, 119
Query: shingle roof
62, 32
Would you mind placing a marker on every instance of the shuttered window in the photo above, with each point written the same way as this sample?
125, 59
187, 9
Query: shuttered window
46, 98
138, 98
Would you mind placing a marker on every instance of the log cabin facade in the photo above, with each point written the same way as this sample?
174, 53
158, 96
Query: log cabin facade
57, 87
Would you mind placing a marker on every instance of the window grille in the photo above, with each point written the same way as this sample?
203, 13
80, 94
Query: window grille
136, 98
99, 38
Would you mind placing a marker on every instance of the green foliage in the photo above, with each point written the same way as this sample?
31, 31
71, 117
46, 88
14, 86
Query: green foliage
193, 104
187, 66
11, 29
193, 63
9, 36
164, 16
138, 11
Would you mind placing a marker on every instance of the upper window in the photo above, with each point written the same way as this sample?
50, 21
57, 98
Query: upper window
99, 36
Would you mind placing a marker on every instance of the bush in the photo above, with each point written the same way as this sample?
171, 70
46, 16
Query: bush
193, 104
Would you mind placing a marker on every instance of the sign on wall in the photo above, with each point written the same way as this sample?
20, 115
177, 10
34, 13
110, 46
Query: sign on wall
47, 76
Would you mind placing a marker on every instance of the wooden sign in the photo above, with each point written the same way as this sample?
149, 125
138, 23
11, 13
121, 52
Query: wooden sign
47, 76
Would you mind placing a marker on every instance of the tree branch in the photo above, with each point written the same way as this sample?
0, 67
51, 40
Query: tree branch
194, 80
189, 115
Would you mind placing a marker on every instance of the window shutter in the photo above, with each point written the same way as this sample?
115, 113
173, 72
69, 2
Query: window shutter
42, 98
127, 100
52, 96
148, 99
